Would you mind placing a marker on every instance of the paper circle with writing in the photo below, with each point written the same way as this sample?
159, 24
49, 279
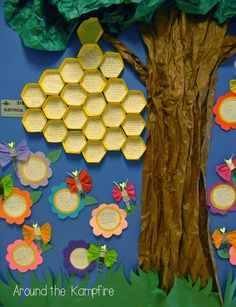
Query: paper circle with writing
36, 171
108, 220
225, 111
65, 203
222, 198
16, 207
76, 259
23, 256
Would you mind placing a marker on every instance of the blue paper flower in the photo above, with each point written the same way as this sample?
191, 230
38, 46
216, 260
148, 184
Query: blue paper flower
64, 203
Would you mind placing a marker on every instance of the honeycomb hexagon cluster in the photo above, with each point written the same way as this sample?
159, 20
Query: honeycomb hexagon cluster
85, 105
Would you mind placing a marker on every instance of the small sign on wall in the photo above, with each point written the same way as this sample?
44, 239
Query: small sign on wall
12, 108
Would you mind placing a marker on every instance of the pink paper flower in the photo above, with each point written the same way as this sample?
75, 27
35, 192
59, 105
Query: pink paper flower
36, 171
232, 255
108, 220
23, 257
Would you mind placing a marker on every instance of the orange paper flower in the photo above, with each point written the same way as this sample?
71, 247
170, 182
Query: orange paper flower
23, 257
108, 220
223, 109
17, 207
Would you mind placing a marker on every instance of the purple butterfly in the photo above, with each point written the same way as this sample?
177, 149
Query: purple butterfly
11, 152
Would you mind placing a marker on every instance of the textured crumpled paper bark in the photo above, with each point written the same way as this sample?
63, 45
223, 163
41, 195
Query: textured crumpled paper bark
184, 53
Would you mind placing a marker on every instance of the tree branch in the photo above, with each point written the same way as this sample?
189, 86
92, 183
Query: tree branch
128, 56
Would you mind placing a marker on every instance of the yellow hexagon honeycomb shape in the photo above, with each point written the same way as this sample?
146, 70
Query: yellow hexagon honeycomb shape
75, 118
94, 129
133, 124
74, 142
54, 107
115, 90
112, 65
114, 115
71, 70
90, 31
133, 148
114, 138
93, 81
134, 102
51, 82
55, 131
94, 151
73, 94
95, 104
90, 56
32, 95
34, 120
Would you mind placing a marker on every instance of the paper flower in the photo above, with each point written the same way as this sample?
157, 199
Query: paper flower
76, 258
224, 110
64, 203
36, 171
232, 255
222, 198
23, 257
108, 220
17, 207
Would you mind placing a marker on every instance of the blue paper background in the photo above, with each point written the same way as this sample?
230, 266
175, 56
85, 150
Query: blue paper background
20, 65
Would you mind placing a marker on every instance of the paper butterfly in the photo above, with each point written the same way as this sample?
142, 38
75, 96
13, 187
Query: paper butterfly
222, 237
227, 171
6, 186
10, 152
104, 256
124, 191
38, 234
80, 181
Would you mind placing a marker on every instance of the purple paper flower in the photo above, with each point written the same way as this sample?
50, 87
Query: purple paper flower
75, 258
221, 198
35, 171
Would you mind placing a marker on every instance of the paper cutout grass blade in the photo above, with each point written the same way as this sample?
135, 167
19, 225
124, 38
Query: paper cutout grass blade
103, 255
12, 152
124, 191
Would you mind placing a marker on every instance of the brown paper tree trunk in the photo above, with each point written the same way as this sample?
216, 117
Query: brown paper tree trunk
184, 53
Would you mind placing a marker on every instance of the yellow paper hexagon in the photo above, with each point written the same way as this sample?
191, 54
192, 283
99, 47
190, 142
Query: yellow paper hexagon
133, 124
94, 104
90, 31
54, 107
73, 94
94, 128
32, 95
55, 131
71, 71
74, 142
112, 65
75, 118
34, 120
114, 138
134, 102
133, 148
94, 151
115, 90
93, 81
51, 82
90, 56
113, 115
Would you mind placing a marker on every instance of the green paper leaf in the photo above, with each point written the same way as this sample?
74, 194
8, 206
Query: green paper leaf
223, 253
234, 180
54, 155
133, 208
46, 247
90, 200
35, 196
